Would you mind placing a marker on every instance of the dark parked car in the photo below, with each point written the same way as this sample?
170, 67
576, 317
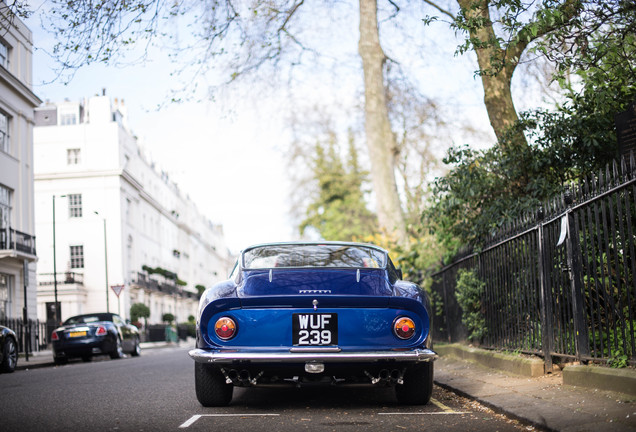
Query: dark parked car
313, 313
94, 334
8, 349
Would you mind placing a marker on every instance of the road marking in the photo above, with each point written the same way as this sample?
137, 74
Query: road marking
196, 417
446, 410
441, 405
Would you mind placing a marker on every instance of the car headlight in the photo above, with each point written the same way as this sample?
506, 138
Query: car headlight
404, 327
225, 328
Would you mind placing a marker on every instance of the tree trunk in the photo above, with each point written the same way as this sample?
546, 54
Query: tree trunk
497, 93
380, 139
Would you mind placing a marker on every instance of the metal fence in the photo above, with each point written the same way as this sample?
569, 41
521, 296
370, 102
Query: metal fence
32, 335
560, 285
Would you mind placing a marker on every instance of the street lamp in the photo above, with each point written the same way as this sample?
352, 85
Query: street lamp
105, 261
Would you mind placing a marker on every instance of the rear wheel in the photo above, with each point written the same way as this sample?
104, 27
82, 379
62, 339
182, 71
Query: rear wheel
118, 352
210, 386
10, 352
137, 349
418, 385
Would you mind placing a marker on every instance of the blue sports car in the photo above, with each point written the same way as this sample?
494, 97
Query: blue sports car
313, 313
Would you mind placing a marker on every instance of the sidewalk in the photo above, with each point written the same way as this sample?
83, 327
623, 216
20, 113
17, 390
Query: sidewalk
45, 358
542, 401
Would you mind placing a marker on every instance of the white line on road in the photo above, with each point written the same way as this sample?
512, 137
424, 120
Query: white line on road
196, 417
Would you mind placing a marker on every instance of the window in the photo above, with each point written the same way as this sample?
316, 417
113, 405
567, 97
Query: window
73, 156
68, 119
5, 207
4, 55
77, 257
75, 205
4, 133
4, 295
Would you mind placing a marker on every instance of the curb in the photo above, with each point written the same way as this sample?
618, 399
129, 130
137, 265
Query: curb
529, 367
44, 359
602, 378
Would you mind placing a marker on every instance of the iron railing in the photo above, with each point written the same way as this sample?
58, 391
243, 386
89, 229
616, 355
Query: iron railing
31, 334
561, 285
17, 240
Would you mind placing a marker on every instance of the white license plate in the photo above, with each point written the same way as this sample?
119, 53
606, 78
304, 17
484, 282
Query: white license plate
312, 329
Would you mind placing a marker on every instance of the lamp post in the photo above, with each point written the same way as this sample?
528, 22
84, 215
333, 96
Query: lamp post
105, 261
54, 268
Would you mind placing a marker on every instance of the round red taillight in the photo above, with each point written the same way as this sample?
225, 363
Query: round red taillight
225, 328
54, 336
404, 327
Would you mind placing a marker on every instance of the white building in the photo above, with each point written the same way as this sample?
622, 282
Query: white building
117, 221
17, 223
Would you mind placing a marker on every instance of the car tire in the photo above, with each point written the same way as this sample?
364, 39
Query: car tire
136, 352
87, 359
418, 385
118, 352
210, 386
10, 359
59, 361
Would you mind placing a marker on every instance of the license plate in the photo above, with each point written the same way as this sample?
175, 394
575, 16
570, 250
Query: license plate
315, 329
76, 334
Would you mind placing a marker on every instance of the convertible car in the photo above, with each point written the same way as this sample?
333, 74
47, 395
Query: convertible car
94, 334
313, 313
8, 349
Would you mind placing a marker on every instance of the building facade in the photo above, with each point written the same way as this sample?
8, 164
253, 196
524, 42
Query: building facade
109, 223
17, 218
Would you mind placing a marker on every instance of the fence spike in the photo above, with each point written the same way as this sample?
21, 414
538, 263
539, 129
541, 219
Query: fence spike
632, 165
624, 174
616, 177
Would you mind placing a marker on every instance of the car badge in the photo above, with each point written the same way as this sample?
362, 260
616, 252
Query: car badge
315, 303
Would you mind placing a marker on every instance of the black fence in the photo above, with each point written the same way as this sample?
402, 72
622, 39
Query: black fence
32, 335
560, 285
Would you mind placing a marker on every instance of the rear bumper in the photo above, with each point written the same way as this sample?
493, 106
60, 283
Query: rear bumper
300, 355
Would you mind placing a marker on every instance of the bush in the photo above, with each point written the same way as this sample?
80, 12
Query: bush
469, 292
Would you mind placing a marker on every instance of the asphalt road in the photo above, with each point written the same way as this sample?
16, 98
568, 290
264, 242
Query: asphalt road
155, 392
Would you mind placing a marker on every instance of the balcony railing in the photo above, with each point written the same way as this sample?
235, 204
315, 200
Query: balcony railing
62, 278
11, 239
164, 287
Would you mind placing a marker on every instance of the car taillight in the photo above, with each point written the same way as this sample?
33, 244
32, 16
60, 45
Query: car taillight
101, 331
225, 328
404, 327
54, 336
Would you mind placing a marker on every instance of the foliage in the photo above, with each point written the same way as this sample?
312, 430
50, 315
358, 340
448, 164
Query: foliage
487, 189
469, 292
167, 317
338, 210
200, 288
165, 273
139, 310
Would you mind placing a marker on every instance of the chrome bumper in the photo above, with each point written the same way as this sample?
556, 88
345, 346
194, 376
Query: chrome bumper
301, 355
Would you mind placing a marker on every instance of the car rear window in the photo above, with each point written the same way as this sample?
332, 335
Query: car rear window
313, 255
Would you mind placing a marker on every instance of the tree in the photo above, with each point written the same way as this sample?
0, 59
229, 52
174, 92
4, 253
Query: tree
338, 209
380, 139
486, 189
139, 310
500, 43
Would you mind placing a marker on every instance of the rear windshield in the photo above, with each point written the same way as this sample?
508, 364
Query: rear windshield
313, 255
85, 319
